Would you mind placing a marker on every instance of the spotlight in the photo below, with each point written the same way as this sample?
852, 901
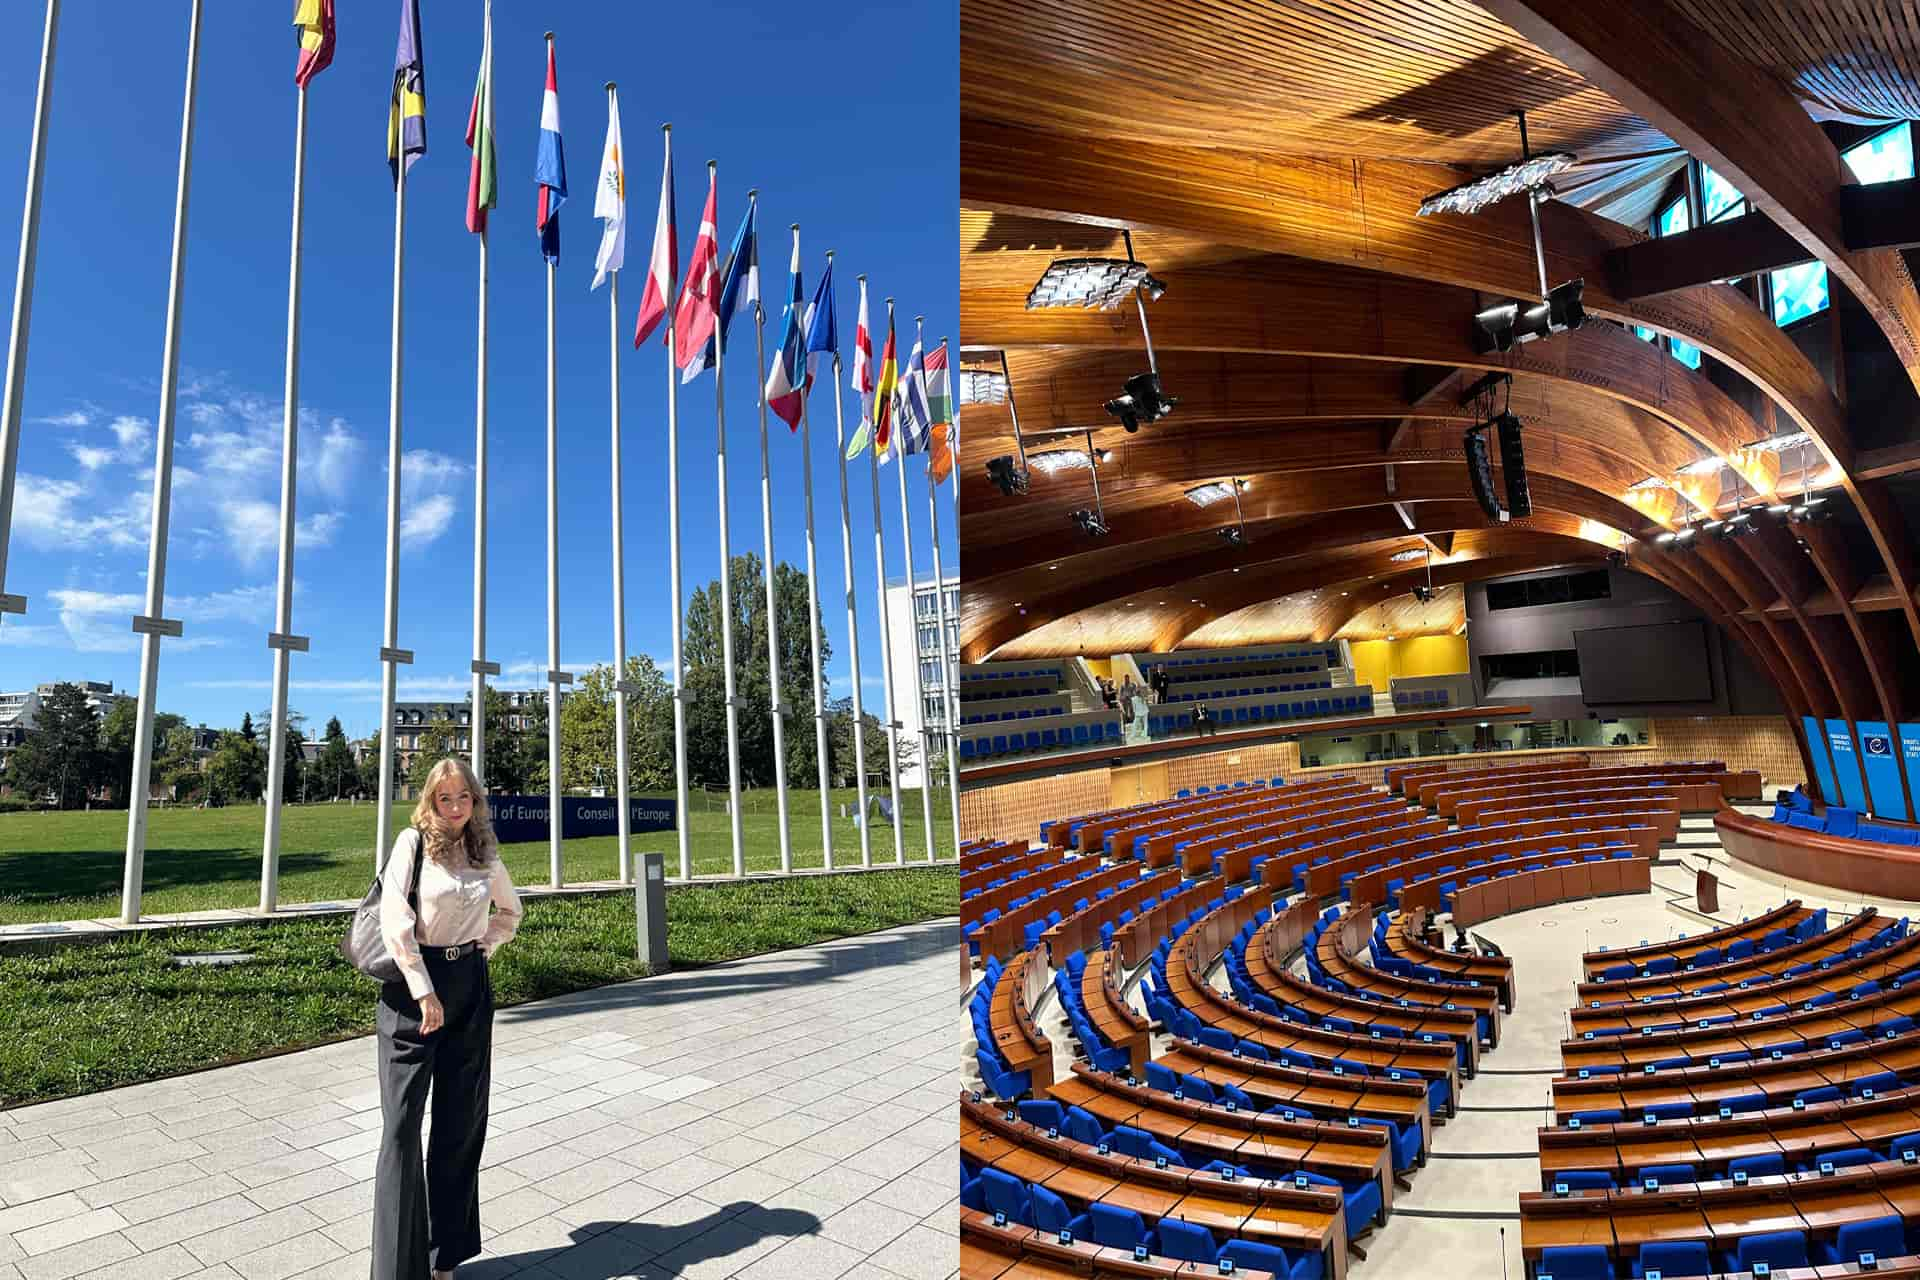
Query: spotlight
1141, 401
1617, 559
1424, 595
1009, 479
1809, 510
1099, 284
1506, 324
1091, 523
1232, 535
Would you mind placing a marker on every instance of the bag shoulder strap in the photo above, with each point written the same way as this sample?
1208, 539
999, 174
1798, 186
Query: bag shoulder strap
419, 856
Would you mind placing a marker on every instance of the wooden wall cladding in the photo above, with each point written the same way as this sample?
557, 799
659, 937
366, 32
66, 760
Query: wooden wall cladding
1763, 743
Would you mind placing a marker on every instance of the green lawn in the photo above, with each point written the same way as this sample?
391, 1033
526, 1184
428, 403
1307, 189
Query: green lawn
66, 866
90, 1017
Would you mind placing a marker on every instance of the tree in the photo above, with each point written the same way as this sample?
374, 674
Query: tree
176, 764
370, 769
516, 764
237, 770
873, 737
435, 743
706, 676
587, 725
61, 754
333, 774
292, 767
246, 725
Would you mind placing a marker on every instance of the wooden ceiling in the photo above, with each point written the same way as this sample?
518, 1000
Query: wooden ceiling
1267, 160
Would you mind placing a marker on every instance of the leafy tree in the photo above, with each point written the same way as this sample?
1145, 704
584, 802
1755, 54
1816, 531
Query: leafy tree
333, 774
61, 754
587, 727
237, 770
370, 769
873, 737
516, 758
436, 743
706, 677
246, 725
292, 766
176, 765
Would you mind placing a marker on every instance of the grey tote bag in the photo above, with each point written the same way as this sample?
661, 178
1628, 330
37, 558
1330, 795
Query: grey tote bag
364, 947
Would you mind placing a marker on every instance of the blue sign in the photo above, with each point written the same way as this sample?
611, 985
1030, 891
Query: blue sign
1846, 766
1879, 756
522, 818
1822, 767
1910, 755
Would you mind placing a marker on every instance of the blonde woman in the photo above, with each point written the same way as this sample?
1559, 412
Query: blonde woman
436, 1027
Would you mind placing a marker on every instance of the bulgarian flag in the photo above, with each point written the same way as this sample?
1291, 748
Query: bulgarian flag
315, 20
482, 189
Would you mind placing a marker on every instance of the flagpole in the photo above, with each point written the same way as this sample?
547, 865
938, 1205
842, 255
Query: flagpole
23, 306
555, 676
621, 687
282, 642
940, 616
886, 642
813, 602
913, 626
951, 671
766, 531
726, 579
853, 618
390, 653
153, 624
673, 538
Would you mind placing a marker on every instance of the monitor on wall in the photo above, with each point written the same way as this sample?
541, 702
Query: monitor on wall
1661, 662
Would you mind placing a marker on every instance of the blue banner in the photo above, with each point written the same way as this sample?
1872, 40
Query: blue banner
521, 818
1910, 755
1846, 766
1880, 757
1817, 748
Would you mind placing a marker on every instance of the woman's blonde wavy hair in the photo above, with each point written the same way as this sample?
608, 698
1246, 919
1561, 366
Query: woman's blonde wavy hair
476, 839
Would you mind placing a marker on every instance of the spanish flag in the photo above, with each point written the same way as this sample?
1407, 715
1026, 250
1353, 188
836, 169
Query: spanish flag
315, 20
407, 115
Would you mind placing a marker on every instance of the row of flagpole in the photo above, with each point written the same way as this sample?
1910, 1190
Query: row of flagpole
695, 336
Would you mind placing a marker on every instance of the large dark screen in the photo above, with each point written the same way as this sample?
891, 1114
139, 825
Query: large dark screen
1658, 662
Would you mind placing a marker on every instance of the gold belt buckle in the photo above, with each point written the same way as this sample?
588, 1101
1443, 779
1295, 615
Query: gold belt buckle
453, 953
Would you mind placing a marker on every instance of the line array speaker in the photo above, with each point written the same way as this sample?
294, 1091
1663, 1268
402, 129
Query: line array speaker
1480, 473
1513, 462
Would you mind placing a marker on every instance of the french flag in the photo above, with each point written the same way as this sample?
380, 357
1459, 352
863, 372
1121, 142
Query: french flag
550, 166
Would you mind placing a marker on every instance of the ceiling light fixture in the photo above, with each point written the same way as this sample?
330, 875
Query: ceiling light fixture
1704, 467
1054, 461
1411, 553
982, 386
1651, 482
1098, 284
1093, 523
1205, 495
1530, 175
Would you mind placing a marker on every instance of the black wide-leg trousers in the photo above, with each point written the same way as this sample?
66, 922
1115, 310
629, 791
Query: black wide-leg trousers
428, 1218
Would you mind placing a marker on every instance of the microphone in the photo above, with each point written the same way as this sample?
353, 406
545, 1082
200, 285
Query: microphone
1503, 1253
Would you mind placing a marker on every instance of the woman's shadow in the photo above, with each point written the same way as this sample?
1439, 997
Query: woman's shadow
605, 1250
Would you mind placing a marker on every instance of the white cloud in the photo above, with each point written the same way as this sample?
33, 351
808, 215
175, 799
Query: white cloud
89, 457
329, 459
26, 635
423, 520
71, 418
64, 515
101, 621
133, 435
425, 471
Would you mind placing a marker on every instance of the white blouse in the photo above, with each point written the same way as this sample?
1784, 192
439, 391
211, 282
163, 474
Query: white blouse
453, 909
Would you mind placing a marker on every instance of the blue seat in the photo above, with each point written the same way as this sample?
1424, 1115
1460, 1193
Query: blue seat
1043, 1113
1082, 1126
1007, 1194
1362, 1203
1673, 1258
1775, 1248
1186, 1241
1879, 1082
1005, 1084
1050, 1213
1769, 1165
1114, 1226
1843, 1159
1577, 1262
1884, 1237
1825, 1093
1901, 1145
1585, 1179
1666, 1174
1250, 1255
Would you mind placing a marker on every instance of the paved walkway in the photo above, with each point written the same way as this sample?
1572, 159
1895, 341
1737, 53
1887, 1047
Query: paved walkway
787, 1117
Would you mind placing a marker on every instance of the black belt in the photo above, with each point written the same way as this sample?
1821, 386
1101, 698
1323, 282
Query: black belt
448, 953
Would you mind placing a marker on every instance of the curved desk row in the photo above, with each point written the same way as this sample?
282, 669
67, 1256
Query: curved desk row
1152, 838
1014, 1252
1662, 813
1406, 938
1445, 791
1786, 915
1760, 966
1324, 879
1537, 888
1860, 867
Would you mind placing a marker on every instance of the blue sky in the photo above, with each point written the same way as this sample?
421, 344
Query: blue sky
844, 118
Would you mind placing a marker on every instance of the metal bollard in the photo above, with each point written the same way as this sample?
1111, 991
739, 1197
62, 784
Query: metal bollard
650, 912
